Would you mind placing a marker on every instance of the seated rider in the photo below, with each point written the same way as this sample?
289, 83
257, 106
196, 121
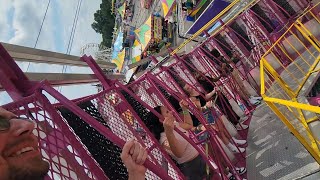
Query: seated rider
20, 157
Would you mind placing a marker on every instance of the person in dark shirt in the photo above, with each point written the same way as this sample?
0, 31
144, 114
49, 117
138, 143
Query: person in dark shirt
222, 102
225, 69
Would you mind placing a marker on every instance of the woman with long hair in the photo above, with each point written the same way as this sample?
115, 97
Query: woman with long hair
190, 162
203, 104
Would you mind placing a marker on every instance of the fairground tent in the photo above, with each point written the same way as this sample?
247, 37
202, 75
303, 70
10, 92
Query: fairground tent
136, 52
119, 60
118, 51
122, 10
166, 6
144, 34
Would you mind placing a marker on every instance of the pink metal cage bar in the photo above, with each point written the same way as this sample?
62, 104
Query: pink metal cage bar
193, 109
148, 85
229, 84
67, 156
134, 123
175, 71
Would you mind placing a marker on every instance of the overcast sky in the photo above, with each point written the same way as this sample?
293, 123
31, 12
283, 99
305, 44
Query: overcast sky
21, 20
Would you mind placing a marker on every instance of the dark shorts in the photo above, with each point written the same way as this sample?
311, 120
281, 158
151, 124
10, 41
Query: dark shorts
194, 169
210, 117
203, 136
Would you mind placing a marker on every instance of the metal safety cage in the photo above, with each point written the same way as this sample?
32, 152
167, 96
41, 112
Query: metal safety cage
227, 85
151, 93
170, 99
121, 119
81, 139
172, 77
285, 88
227, 52
179, 72
134, 114
67, 156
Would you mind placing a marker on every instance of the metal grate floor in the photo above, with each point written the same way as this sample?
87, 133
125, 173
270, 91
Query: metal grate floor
274, 153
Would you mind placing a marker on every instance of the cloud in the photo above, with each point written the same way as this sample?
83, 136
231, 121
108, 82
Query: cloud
26, 22
4, 23
20, 23
84, 33
27, 19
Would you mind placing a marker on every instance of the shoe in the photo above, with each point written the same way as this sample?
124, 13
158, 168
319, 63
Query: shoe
240, 150
256, 98
238, 141
243, 119
241, 170
234, 149
254, 102
239, 128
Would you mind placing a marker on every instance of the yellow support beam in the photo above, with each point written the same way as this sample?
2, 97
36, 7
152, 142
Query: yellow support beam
313, 119
294, 112
313, 150
306, 107
204, 27
263, 91
307, 34
277, 77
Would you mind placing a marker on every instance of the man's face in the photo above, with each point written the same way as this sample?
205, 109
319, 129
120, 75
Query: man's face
20, 156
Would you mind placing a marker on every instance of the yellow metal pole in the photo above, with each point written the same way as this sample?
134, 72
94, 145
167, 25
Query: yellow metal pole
277, 77
300, 55
306, 107
316, 70
204, 27
304, 123
313, 151
314, 65
315, 17
303, 44
285, 69
316, 118
262, 78
307, 34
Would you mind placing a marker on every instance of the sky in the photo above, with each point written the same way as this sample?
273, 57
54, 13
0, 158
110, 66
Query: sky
20, 23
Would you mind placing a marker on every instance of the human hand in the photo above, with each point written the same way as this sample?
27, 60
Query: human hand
168, 124
183, 104
133, 156
6, 114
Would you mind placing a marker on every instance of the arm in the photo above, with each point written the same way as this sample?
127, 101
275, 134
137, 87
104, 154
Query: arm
175, 146
186, 115
215, 79
209, 95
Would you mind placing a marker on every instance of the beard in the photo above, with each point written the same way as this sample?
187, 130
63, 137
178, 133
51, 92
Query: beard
35, 169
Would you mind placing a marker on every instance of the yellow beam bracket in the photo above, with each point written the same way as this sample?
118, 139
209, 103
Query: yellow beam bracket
307, 34
313, 119
313, 150
306, 107
314, 65
277, 77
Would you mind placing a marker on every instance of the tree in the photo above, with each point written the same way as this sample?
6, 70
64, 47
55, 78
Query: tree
104, 22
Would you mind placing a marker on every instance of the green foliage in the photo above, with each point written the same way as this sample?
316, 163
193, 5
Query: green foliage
104, 22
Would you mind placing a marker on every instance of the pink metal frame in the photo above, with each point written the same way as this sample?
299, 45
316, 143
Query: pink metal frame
36, 106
